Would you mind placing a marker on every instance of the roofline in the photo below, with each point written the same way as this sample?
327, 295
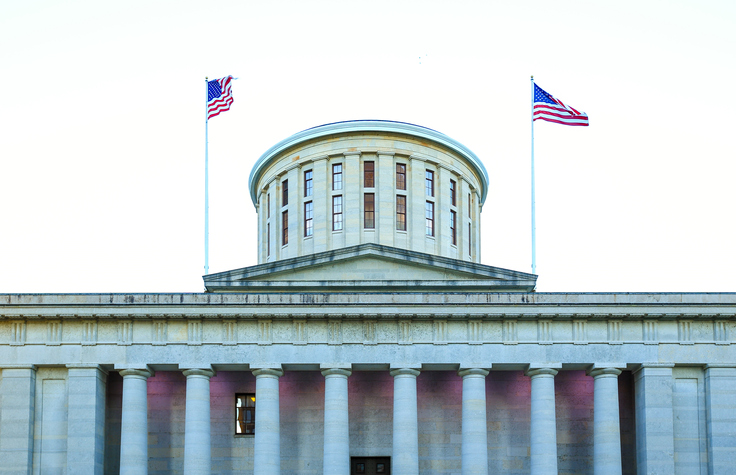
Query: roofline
367, 126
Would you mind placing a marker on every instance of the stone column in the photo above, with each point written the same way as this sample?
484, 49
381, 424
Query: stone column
18, 396
655, 433
267, 444
406, 435
134, 425
337, 431
543, 422
720, 405
85, 448
474, 427
197, 443
606, 428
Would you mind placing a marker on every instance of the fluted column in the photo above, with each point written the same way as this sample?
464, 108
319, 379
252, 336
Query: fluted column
337, 430
606, 428
134, 426
406, 435
267, 444
197, 443
543, 423
474, 427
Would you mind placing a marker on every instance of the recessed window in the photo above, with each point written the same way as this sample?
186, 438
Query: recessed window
401, 176
308, 219
337, 213
429, 182
268, 205
337, 176
470, 252
285, 228
245, 414
268, 239
400, 213
285, 193
453, 193
453, 227
369, 174
308, 183
469, 204
369, 211
429, 218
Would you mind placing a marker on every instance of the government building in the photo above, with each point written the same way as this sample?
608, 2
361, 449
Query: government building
368, 339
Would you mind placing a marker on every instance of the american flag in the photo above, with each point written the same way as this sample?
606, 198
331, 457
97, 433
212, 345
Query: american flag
546, 107
219, 96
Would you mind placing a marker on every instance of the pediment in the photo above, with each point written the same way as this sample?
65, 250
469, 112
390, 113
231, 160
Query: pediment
369, 267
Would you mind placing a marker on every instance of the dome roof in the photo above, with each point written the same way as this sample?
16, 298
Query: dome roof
325, 130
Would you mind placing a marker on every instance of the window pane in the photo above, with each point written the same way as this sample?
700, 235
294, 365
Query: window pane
285, 193
337, 213
245, 413
401, 213
308, 221
453, 194
285, 228
337, 176
453, 227
308, 183
369, 215
368, 175
429, 182
400, 176
429, 218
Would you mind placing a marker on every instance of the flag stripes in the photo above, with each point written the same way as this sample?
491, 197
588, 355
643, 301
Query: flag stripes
219, 96
547, 107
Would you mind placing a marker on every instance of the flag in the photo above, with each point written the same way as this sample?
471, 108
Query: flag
219, 96
546, 107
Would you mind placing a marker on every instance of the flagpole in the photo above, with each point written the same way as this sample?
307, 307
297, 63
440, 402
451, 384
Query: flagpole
534, 217
206, 183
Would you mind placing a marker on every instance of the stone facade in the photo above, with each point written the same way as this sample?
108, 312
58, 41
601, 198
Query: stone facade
368, 353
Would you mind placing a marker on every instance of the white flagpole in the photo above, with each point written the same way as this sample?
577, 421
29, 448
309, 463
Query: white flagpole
534, 218
206, 183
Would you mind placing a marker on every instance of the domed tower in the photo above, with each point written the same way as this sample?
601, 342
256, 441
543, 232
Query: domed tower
371, 205
368, 181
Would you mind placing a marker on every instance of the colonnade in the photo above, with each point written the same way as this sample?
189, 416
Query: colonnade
405, 458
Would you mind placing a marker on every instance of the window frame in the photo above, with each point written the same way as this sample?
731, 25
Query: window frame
453, 192
285, 192
249, 409
336, 176
337, 213
308, 183
429, 183
369, 216
401, 176
369, 175
453, 227
400, 214
285, 227
308, 219
429, 218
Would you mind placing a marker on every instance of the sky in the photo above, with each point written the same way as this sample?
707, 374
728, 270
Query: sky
102, 130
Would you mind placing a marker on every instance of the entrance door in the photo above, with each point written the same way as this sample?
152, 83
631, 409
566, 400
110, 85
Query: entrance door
370, 465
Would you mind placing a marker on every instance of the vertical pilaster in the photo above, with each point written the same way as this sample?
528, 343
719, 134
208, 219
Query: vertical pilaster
543, 421
405, 431
606, 427
18, 396
655, 436
352, 199
85, 448
267, 444
134, 426
197, 442
337, 431
474, 427
720, 405
386, 198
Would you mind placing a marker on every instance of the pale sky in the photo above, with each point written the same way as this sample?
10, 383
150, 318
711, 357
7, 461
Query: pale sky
102, 130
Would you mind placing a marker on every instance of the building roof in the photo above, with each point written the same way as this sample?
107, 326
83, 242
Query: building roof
325, 130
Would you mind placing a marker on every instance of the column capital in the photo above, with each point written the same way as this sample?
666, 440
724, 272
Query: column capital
546, 371
32, 367
405, 372
610, 371
143, 373
462, 372
272, 372
205, 372
336, 371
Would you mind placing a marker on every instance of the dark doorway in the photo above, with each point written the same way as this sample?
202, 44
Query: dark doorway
370, 465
